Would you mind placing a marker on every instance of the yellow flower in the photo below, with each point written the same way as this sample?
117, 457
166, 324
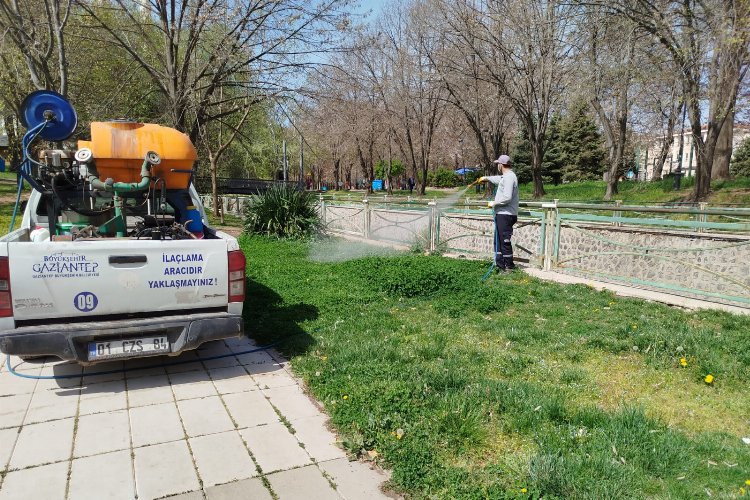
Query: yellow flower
324, 358
709, 379
683, 362
346, 397
523, 490
635, 327
742, 492
747, 482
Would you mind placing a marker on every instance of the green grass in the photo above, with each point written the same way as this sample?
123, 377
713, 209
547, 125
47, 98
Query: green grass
476, 390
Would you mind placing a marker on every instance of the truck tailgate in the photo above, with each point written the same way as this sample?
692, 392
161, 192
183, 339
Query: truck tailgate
110, 277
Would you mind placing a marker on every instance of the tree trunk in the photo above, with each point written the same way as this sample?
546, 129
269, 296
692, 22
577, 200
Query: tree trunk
537, 156
337, 172
723, 151
218, 209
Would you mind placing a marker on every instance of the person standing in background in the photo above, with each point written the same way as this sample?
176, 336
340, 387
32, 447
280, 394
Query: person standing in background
505, 206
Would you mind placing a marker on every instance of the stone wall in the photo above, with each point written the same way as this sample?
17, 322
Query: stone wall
705, 265
697, 264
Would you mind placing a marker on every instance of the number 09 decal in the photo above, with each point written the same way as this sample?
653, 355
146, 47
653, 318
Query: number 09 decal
85, 301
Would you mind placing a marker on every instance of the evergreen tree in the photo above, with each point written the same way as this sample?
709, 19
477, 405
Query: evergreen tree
740, 165
582, 148
555, 155
521, 156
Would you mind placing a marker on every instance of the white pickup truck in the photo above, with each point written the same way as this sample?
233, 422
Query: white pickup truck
91, 299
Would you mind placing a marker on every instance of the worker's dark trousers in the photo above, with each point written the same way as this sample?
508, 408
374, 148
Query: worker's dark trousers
503, 248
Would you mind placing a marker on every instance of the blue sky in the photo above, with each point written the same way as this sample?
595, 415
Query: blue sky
371, 5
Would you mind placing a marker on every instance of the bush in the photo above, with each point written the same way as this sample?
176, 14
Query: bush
283, 212
740, 165
443, 178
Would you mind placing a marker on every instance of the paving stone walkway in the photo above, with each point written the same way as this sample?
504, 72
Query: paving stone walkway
231, 428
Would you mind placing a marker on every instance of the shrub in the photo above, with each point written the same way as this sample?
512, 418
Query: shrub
443, 178
283, 212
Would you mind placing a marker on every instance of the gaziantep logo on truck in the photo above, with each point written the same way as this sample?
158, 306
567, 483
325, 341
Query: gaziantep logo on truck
65, 265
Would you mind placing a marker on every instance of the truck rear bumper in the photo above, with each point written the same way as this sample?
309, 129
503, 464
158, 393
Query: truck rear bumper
70, 341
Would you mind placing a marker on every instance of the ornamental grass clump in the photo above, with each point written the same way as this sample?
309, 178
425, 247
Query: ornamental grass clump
283, 212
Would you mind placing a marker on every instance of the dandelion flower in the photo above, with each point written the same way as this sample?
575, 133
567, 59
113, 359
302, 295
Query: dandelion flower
523, 490
324, 358
635, 327
709, 379
747, 482
399, 433
346, 397
742, 492
683, 362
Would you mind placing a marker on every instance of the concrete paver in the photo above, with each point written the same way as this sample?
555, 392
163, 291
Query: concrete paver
191, 385
47, 482
170, 430
292, 402
193, 495
249, 488
222, 458
50, 405
232, 379
13, 409
164, 469
355, 480
102, 403
302, 484
274, 447
155, 424
249, 409
149, 390
7, 442
109, 475
102, 433
319, 442
274, 379
204, 416
43, 443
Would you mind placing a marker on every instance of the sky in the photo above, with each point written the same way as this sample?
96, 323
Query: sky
376, 6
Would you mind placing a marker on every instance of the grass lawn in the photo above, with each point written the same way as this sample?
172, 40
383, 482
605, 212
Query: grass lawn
511, 388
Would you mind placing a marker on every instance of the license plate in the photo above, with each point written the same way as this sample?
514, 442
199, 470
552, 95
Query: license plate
128, 347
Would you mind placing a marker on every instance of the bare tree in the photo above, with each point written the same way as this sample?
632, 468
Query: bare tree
409, 84
703, 38
611, 51
524, 47
192, 49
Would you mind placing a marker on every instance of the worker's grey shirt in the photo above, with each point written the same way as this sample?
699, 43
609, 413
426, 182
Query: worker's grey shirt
506, 197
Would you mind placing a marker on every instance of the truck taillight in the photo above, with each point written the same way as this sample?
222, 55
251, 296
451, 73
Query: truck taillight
236, 261
6, 308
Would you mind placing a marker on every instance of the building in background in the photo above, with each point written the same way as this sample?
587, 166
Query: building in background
647, 158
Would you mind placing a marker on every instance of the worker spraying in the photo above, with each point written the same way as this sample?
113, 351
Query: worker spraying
505, 206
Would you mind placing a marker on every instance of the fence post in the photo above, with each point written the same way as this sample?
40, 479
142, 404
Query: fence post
366, 212
618, 213
323, 209
433, 224
702, 206
550, 234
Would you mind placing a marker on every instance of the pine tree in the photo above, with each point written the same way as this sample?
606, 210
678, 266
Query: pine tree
740, 165
555, 156
521, 156
582, 145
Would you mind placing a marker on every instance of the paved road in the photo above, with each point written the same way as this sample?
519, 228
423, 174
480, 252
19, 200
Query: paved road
235, 427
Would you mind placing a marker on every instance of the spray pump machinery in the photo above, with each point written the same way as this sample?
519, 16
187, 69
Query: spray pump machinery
127, 169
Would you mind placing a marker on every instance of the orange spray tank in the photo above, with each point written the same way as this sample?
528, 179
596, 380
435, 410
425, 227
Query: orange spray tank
118, 149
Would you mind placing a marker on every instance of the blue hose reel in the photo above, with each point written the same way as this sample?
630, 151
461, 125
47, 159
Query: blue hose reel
46, 106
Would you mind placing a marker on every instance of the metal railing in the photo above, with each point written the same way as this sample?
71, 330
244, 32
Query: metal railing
697, 251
